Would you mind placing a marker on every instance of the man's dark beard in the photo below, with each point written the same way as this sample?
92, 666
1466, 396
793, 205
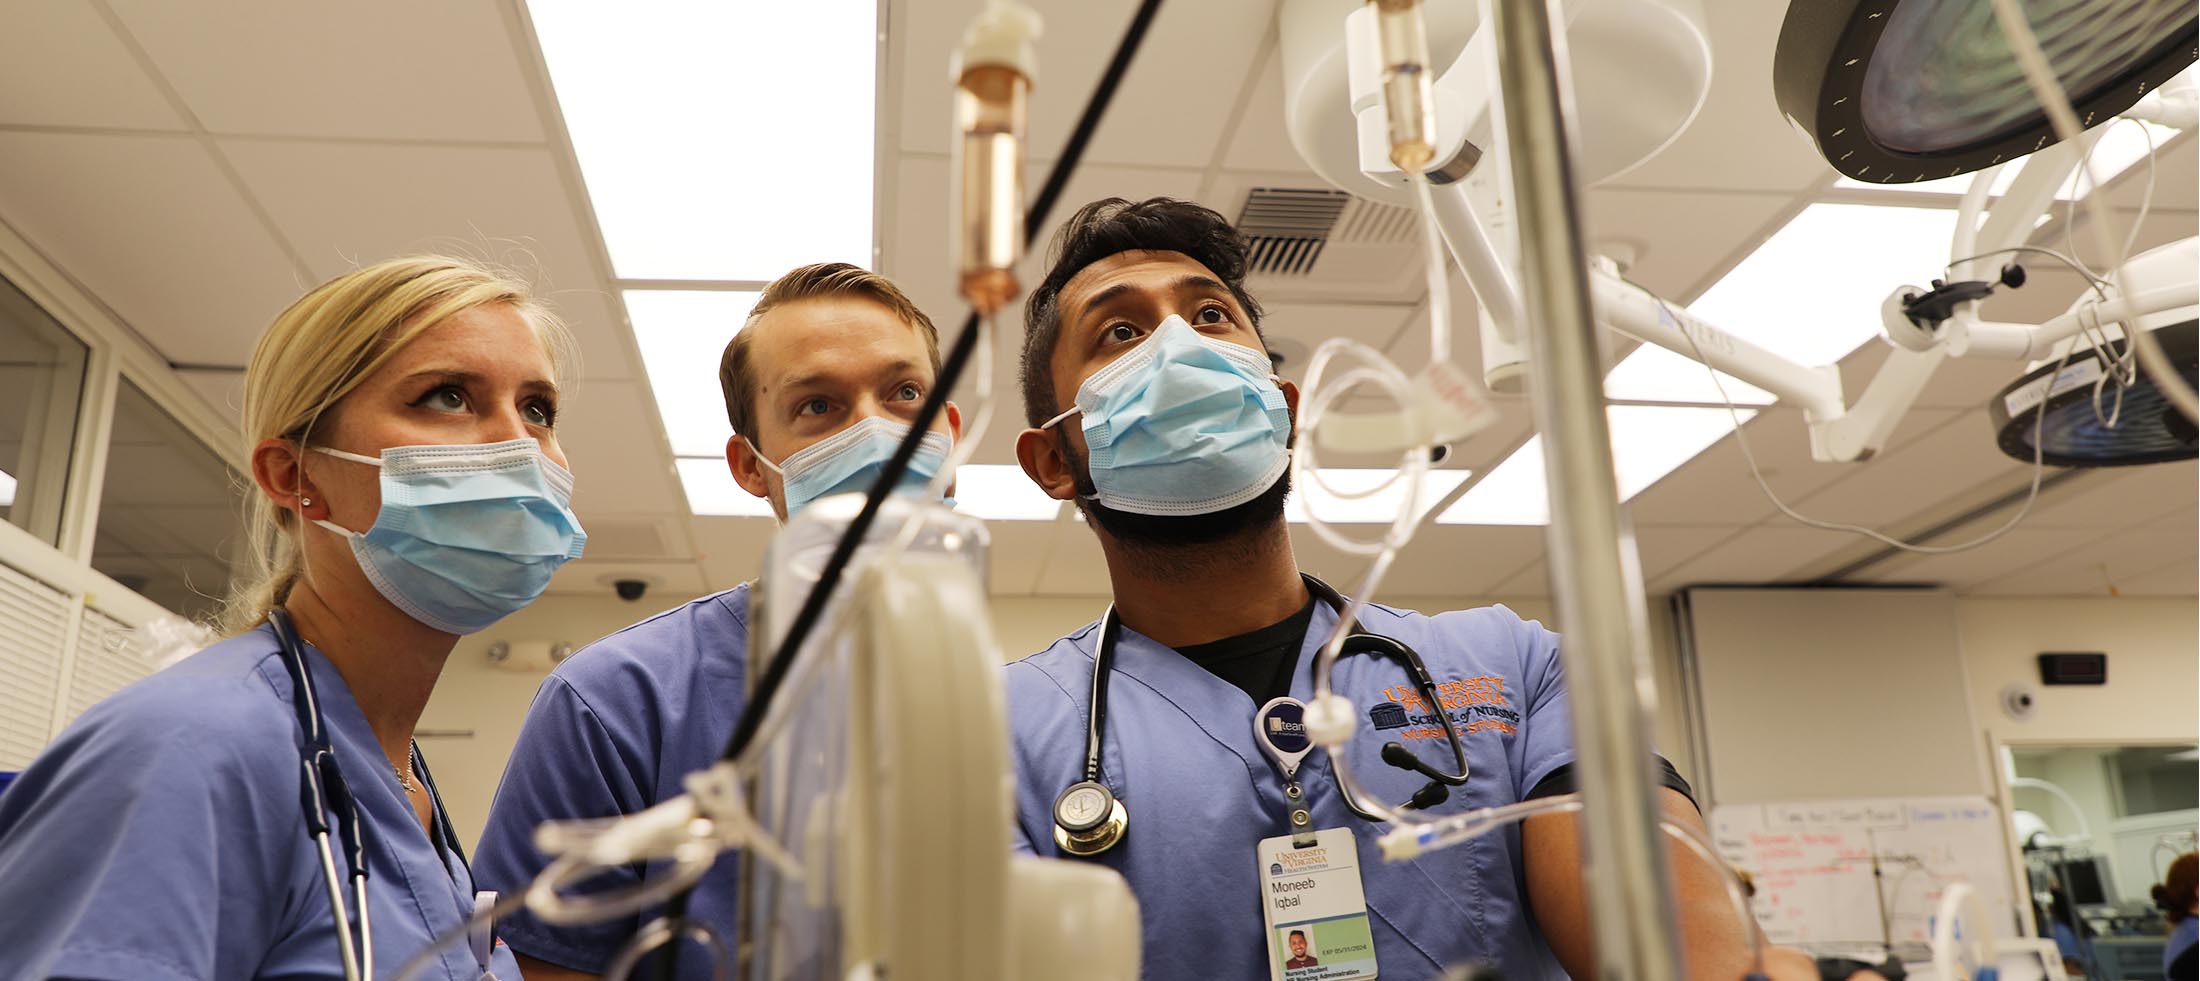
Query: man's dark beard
1167, 533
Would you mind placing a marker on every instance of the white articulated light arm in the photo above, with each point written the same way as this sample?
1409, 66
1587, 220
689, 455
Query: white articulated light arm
1473, 229
1640, 314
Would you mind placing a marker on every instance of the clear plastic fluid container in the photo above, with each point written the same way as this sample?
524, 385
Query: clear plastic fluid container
798, 553
809, 774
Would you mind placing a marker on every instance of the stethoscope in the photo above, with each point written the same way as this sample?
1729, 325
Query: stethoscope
323, 791
1089, 819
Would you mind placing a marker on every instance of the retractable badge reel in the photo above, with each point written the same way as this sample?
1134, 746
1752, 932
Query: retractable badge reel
1280, 729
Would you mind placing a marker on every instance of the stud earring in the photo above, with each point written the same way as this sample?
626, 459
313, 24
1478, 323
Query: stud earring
305, 502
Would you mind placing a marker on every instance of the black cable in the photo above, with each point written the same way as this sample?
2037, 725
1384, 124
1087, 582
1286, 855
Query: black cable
958, 356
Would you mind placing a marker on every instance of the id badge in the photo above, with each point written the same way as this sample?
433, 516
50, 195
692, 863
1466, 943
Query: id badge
1315, 909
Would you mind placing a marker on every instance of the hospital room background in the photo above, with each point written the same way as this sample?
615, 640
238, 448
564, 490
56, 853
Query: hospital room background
171, 175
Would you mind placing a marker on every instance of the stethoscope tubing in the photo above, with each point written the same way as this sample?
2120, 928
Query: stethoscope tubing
1103, 665
321, 783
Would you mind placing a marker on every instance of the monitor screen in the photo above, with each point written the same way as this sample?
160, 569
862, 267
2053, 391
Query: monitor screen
2086, 881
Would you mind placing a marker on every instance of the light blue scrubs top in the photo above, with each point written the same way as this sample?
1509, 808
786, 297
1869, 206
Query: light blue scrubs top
2182, 937
614, 730
162, 837
1180, 753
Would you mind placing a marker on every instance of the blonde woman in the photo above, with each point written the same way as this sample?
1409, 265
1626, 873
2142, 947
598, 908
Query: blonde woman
259, 810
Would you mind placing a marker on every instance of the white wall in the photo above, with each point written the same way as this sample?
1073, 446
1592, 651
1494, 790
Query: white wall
2153, 648
492, 702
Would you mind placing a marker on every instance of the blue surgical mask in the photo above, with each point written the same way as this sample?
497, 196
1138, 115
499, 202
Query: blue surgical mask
1183, 424
468, 533
849, 461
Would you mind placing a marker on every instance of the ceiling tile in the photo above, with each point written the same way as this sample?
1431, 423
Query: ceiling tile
1722, 227
1262, 141
1759, 555
1170, 111
1442, 560
1739, 139
399, 69
60, 65
2176, 178
344, 205
620, 461
1663, 548
1953, 463
151, 227
1294, 329
1716, 487
2178, 578
2022, 546
2113, 497
1533, 580
2104, 561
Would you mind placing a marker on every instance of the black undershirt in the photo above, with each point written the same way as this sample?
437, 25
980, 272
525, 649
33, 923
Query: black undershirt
1261, 663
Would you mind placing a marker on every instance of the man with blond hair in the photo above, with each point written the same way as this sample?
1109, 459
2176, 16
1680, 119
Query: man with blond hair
820, 383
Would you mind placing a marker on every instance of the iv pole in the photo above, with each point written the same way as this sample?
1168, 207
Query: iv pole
1593, 568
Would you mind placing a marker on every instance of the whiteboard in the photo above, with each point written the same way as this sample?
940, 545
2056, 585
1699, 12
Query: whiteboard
1864, 870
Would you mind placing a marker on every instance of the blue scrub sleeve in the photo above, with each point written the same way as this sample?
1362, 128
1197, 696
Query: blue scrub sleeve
1547, 724
567, 764
154, 840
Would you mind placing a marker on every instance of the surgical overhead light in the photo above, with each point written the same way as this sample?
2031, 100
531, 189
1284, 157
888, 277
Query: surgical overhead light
1900, 91
2100, 410
2076, 432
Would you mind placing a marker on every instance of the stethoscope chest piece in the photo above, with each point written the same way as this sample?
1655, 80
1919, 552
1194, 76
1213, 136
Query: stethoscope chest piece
1088, 819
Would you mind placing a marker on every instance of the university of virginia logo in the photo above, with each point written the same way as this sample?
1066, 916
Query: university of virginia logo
1474, 704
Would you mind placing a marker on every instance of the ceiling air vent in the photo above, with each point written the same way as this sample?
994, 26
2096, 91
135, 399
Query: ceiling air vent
1324, 245
1287, 227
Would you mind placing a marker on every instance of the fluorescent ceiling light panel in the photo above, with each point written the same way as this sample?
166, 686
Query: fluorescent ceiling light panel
1810, 293
1648, 442
2121, 144
682, 333
719, 141
7, 490
1001, 492
995, 492
712, 492
1380, 507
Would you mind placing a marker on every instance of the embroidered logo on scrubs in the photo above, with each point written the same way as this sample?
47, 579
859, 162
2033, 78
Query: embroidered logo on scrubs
1474, 704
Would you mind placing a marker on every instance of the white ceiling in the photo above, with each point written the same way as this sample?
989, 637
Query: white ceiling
195, 168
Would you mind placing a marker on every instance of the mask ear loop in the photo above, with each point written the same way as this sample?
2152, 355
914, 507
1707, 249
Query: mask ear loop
765, 460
